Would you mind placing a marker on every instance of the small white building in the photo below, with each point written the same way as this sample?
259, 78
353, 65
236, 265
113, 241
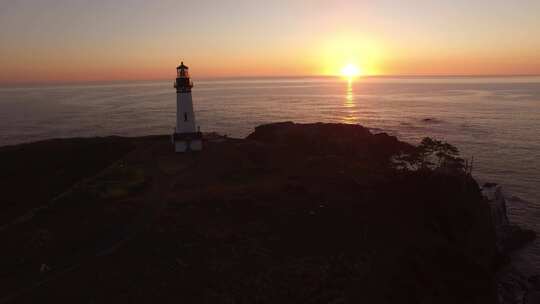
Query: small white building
187, 136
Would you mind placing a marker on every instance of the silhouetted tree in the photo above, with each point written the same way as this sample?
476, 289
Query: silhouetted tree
431, 154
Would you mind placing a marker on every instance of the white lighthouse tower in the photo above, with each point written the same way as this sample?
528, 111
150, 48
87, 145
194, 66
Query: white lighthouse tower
186, 136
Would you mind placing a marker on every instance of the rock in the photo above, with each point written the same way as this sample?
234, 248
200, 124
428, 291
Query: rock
430, 120
351, 141
493, 193
490, 185
509, 237
512, 286
532, 298
513, 237
533, 294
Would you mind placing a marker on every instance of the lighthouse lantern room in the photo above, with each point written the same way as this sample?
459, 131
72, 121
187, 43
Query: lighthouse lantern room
187, 136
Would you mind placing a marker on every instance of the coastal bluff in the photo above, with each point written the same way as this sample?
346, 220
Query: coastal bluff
293, 213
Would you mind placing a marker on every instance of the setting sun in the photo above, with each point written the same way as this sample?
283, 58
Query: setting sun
351, 70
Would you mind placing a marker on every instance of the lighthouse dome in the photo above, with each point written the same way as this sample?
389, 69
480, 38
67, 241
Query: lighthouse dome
182, 71
182, 66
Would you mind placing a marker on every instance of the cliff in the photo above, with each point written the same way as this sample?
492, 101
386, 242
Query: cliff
294, 213
512, 285
509, 237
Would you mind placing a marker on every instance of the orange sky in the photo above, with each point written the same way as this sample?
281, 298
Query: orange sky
75, 40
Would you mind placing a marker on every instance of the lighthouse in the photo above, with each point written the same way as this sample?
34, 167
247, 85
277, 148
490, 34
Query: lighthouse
187, 136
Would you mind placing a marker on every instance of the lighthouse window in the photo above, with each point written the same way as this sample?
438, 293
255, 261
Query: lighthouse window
185, 116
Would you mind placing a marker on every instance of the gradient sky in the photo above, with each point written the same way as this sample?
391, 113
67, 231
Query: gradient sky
95, 40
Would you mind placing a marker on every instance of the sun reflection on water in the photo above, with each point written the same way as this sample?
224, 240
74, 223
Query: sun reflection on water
350, 104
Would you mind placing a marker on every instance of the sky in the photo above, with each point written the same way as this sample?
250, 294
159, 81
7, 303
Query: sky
97, 40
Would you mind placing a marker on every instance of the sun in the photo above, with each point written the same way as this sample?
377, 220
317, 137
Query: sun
351, 71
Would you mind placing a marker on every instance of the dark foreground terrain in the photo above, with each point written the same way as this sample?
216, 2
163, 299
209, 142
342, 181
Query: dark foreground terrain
292, 214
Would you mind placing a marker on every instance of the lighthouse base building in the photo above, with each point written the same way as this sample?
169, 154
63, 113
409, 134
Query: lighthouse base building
185, 142
187, 136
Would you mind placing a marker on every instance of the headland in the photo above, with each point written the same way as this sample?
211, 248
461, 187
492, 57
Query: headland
294, 213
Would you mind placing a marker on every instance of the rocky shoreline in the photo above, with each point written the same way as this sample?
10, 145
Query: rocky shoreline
513, 287
310, 213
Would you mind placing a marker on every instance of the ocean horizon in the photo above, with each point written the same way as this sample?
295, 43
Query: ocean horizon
476, 77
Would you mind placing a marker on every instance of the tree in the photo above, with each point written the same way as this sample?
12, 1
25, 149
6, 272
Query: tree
429, 151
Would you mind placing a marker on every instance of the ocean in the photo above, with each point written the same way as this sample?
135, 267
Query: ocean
496, 120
